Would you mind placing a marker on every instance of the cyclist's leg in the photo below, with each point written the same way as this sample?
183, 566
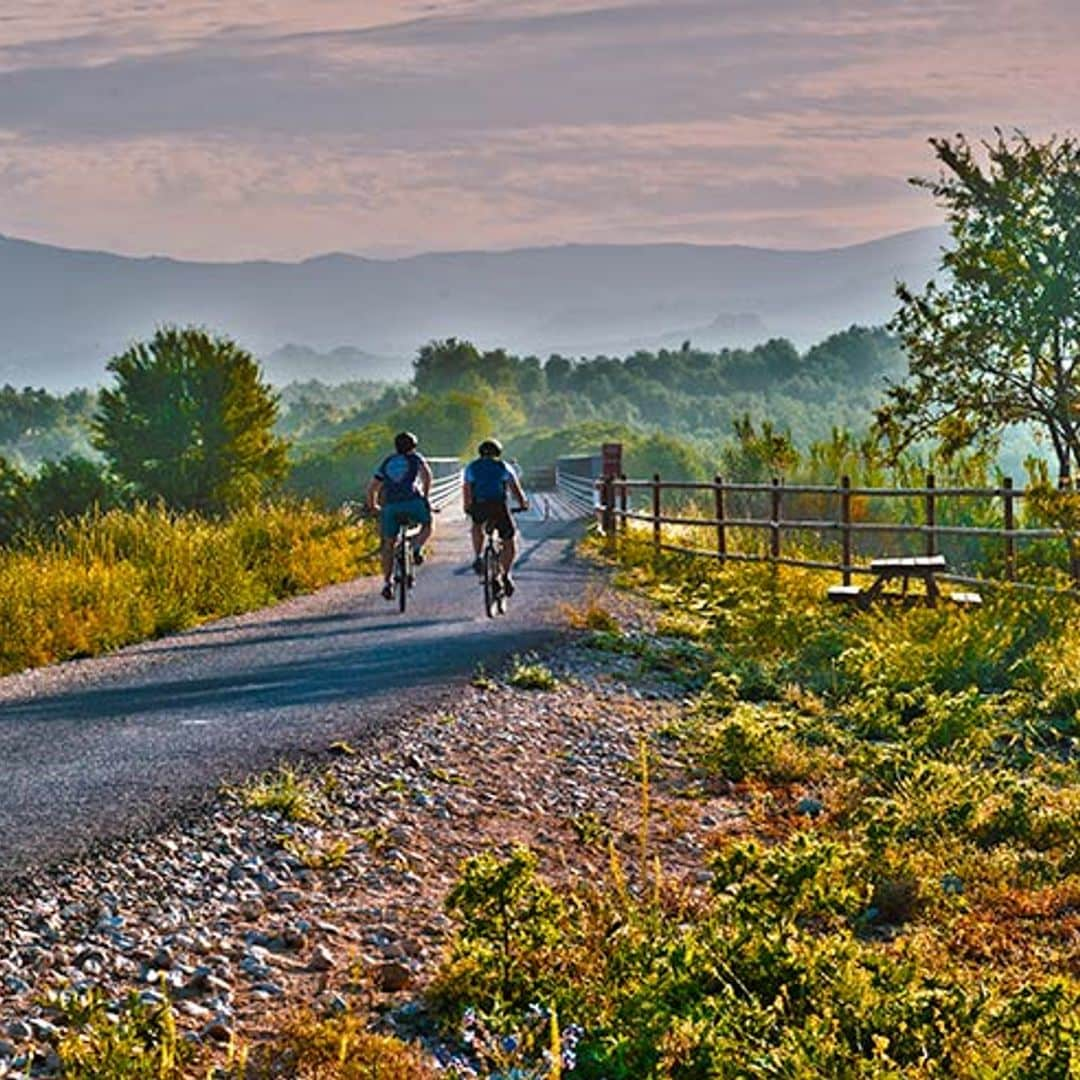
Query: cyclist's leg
504, 523
508, 554
421, 514
388, 526
476, 515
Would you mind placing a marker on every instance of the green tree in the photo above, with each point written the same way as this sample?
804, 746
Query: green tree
341, 472
759, 454
190, 421
449, 423
70, 488
998, 344
15, 510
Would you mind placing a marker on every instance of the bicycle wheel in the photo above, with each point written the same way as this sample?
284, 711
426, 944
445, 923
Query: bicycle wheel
500, 589
491, 583
403, 570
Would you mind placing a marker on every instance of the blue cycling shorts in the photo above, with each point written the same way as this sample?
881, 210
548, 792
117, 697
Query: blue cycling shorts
414, 510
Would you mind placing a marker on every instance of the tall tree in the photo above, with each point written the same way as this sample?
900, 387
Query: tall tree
15, 512
998, 343
189, 420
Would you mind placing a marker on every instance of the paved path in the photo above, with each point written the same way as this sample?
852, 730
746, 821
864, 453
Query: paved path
101, 748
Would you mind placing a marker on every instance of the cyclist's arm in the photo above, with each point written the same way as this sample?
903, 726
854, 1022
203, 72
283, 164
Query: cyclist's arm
425, 479
515, 487
466, 495
374, 490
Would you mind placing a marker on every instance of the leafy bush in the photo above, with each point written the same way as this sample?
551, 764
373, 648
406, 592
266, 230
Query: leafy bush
110, 579
510, 919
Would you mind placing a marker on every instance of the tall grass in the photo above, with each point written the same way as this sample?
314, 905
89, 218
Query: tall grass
899, 896
111, 579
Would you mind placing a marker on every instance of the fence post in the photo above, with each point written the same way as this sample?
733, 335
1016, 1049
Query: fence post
608, 518
931, 516
721, 532
1010, 525
656, 512
775, 547
623, 502
845, 527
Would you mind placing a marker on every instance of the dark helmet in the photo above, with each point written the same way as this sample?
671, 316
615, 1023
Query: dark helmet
490, 448
405, 442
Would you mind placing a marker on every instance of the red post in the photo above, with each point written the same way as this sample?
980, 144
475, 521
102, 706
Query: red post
623, 502
609, 508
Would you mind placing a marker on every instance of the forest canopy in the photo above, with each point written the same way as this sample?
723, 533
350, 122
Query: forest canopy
685, 412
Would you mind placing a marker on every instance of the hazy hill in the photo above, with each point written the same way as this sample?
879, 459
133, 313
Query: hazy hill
299, 363
62, 313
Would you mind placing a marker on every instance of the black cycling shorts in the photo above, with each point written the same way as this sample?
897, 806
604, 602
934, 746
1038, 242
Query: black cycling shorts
497, 512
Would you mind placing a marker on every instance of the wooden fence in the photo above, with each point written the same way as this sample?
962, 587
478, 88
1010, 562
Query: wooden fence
621, 500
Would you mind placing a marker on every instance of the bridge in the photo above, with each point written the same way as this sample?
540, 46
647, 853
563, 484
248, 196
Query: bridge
106, 747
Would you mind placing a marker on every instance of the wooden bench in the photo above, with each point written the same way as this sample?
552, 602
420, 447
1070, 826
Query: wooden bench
923, 568
906, 569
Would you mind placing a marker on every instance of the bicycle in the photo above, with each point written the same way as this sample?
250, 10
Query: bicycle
403, 562
491, 558
403, 577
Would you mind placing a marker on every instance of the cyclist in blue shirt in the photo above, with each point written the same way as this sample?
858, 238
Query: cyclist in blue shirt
486, 482
400, 490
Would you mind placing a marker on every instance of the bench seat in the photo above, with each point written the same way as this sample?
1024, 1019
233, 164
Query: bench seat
844, 593
910, 563
966, 599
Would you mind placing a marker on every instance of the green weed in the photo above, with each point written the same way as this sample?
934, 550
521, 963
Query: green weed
528, 673
283, 792
135, 1041
901, 898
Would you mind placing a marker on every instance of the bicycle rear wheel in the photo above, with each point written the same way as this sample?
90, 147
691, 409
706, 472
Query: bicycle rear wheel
403, 571
491, 584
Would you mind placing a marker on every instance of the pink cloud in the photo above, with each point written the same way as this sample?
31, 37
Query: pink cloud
284, 128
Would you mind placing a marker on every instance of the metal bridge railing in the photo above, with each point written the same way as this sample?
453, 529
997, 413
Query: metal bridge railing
446, 485
575, 481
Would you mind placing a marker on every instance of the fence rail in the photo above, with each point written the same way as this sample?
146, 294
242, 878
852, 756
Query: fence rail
618, 501
446, 482
575, 481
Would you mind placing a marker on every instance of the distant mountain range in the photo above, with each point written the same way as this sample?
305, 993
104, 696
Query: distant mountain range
63, 313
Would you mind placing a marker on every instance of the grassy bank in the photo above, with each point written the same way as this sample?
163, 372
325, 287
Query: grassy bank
900, 893
125, 576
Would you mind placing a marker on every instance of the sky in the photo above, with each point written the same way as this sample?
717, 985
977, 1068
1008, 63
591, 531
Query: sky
286, 128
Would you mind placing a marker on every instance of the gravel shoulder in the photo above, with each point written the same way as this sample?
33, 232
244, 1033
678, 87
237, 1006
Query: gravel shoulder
241, 915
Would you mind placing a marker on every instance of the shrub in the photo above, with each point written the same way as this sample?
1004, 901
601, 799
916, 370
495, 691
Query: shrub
509, 920
282, 792
110, 579
132, 1041
337, 1048
531, 674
